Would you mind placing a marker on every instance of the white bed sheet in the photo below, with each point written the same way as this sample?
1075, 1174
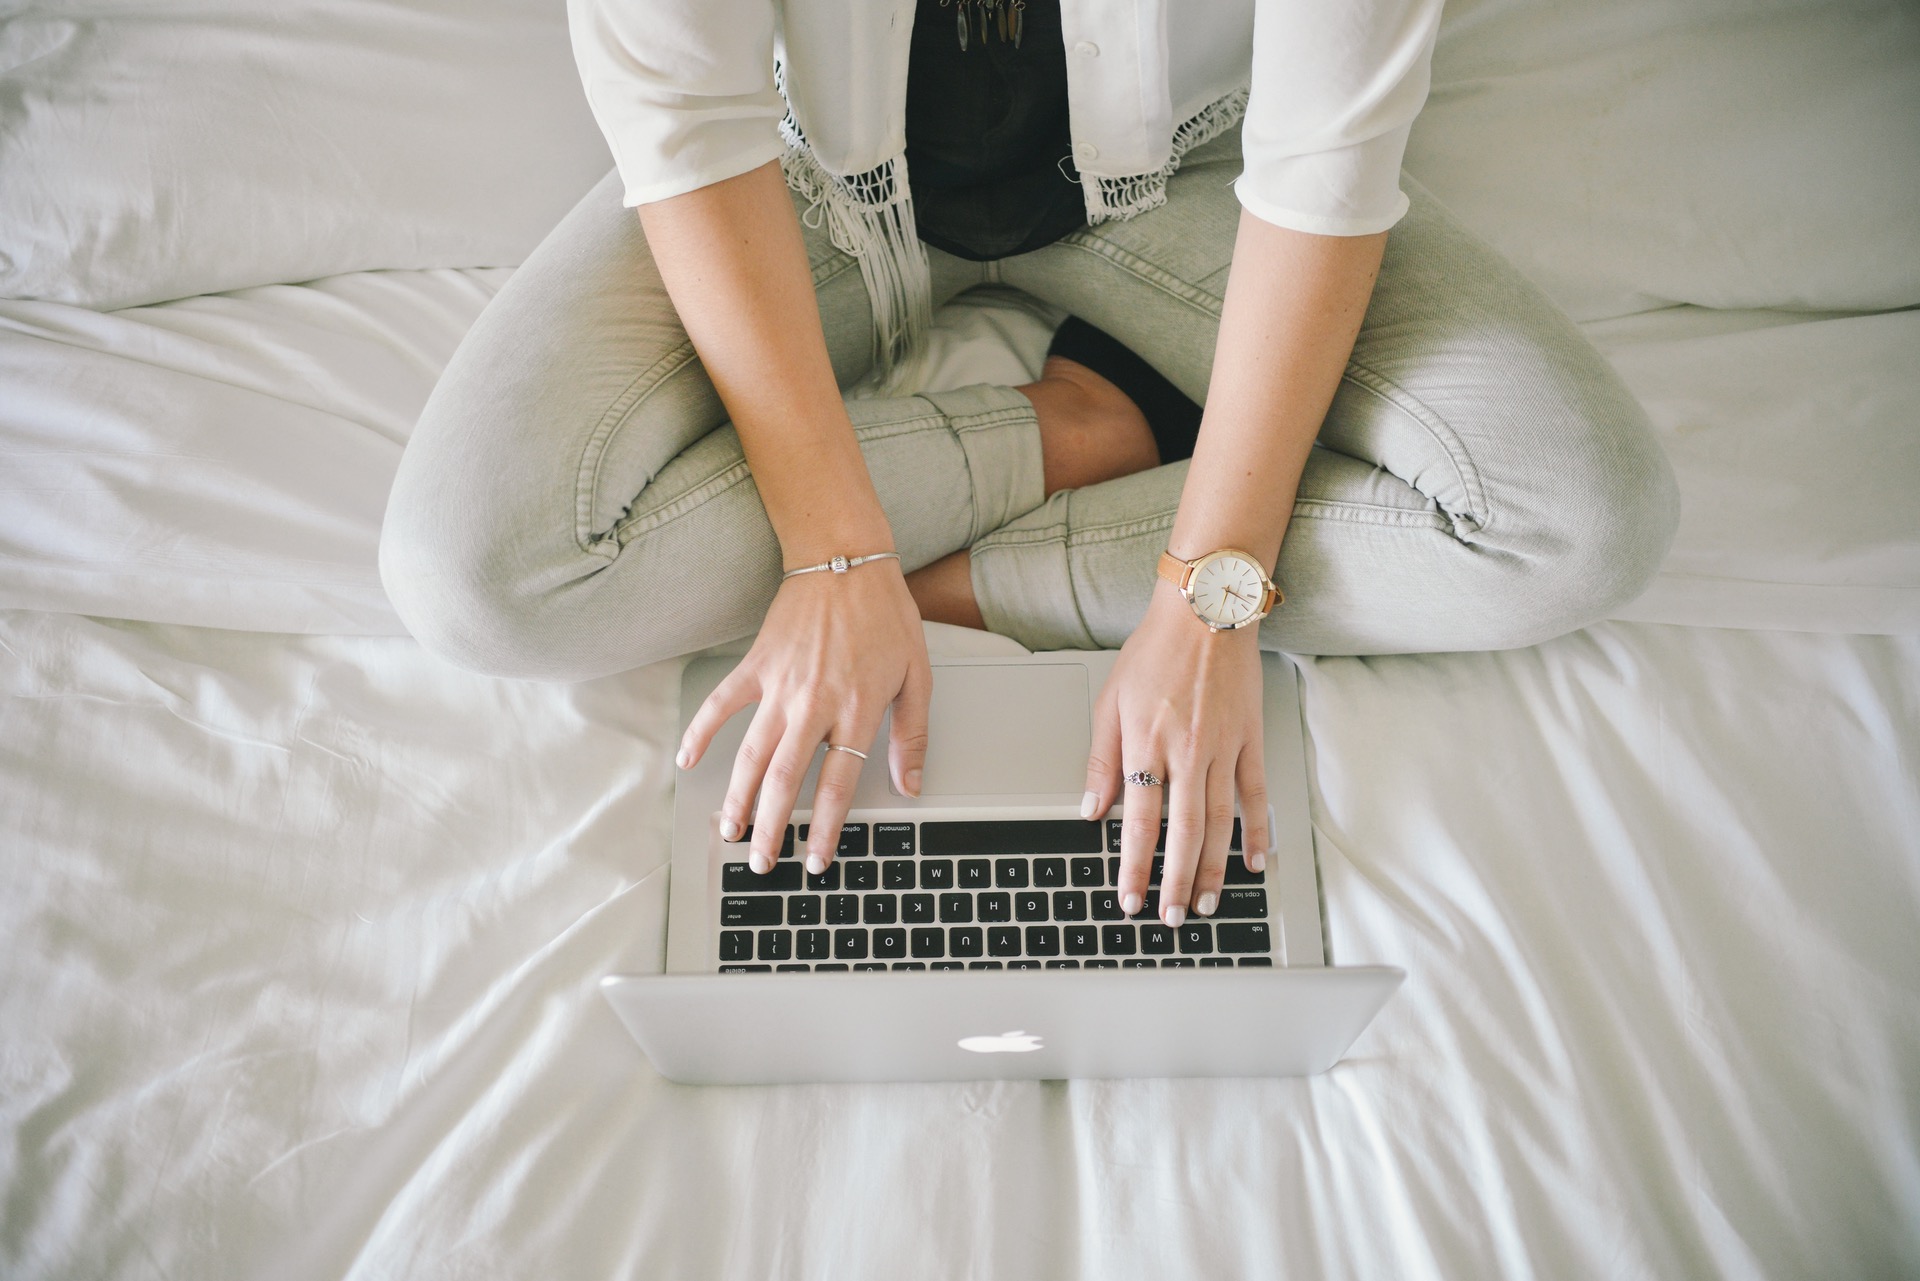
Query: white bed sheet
303, 935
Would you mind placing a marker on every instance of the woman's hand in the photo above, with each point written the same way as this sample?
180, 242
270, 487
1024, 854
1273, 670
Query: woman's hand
835, 651
1183, 704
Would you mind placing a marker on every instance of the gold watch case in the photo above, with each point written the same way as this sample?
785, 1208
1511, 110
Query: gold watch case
1226, 589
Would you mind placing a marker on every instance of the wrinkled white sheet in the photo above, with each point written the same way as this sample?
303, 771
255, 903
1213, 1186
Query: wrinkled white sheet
302, 935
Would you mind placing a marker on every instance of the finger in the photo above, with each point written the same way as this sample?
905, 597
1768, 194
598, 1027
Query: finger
738, 689
833, 795
1256, 815
780, 787
907, 741
1186, 831
1103, 761
749, 765
1139, 833
1212, 871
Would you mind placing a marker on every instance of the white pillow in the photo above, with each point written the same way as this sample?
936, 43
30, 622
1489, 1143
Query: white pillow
1636, 153
183, 147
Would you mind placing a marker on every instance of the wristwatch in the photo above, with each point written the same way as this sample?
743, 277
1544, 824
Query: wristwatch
1227, 589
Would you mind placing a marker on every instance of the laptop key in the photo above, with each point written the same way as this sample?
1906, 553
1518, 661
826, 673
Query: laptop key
736, 945
1088, 873
1117, 940
1011, 836
1080, 940
1196, 936
1239, 874
1248, 936
750, 909
874, 967
1106, 906
814, 945
853, 840
975, 873
996, 907
863, 876
1069, 905
890, 944
1177, 963
1010, 873
909, 965
824, 881
1149, 907
964, 940
803, 909
948, 965
849, 945
1213, 962
1139, 963
956, 909
1043, 940
1063, 965
929, 942
1030, 906
843, 909
1242, 902
892, 839
1003, 940
740, 878
1050, 873
746, 969
830, 966
984, 965
1113, 836
1023, 965
880, 909
897, 875
791, 967
776, 945
936, 873
1156, 939
1101, 963
1256, 960
786, 842
916, 909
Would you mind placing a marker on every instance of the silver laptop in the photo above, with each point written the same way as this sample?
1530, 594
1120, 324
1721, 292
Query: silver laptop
975, 932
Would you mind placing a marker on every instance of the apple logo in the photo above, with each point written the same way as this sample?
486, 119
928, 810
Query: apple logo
1005, 1043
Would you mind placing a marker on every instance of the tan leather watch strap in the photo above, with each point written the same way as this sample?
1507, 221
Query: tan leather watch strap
1175, 570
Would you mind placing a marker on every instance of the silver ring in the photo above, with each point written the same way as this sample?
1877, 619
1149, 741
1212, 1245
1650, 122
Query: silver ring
841, 747
1141, 778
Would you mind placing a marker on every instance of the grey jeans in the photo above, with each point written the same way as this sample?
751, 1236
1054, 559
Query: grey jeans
573, 503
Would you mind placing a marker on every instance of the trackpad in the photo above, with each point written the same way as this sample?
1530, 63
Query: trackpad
995, 729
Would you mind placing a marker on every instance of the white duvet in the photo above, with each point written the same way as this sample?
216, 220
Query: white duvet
303, 936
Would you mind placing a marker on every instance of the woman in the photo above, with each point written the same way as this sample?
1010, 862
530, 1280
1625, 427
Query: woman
642, 447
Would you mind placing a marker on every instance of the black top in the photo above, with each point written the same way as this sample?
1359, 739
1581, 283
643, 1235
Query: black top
989, 150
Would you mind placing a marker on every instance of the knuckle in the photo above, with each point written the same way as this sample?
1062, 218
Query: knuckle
1220, 814
833, 793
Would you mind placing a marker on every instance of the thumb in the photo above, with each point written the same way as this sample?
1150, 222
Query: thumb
907, 741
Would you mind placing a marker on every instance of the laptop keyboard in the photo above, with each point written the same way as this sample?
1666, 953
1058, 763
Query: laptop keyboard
987, 894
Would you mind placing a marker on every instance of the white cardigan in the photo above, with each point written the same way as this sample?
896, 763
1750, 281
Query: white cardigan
691, 92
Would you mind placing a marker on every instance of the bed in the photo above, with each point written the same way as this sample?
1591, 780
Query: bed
299, 927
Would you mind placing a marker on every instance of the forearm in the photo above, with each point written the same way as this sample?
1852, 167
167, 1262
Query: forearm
1293, 310
733, 262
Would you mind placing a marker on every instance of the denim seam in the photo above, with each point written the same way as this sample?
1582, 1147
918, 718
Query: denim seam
1478, 516
620, 412
1055, 533
637, 523
1158, 277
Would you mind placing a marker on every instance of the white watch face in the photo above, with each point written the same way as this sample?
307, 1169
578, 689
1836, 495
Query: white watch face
1227, 590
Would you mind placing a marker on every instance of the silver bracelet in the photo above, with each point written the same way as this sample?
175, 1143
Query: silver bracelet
839, 564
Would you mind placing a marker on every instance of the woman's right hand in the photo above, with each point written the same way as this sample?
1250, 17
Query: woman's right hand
835, 652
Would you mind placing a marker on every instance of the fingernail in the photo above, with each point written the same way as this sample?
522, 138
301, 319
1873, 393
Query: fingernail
683, 757
1206, 904
1176, 915
913, 782
1088, 804
1256, 862
815, 865
761, 863
1130, 903
729, 830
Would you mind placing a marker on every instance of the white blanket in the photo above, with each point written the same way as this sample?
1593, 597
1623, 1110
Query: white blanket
303, 935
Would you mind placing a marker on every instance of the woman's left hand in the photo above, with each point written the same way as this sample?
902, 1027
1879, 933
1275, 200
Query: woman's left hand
1183, 703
